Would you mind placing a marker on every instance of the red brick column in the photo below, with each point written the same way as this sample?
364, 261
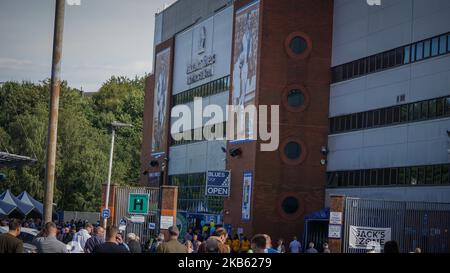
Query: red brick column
169, 198
337, 205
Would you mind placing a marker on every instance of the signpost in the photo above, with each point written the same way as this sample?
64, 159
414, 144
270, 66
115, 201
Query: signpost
106, 213
138, 203
218, 183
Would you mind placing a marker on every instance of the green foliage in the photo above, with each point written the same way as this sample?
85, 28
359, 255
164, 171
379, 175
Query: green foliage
83, 138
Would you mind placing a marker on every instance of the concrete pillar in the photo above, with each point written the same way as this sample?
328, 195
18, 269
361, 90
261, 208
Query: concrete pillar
337, 206
169, 199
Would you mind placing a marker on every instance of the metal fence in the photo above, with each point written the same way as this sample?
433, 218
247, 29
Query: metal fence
413, 224
121, 211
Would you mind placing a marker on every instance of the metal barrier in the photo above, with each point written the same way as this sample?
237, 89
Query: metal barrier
143, 230
412, 224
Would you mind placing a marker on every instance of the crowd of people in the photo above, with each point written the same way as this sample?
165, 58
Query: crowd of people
83, 237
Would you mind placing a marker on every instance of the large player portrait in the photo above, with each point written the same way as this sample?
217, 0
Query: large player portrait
162, 69
245, 54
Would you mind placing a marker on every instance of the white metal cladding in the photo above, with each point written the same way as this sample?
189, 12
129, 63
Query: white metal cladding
413, 224
121, 211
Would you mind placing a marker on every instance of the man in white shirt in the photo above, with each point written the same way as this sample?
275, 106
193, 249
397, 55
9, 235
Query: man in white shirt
83, 234
294, 246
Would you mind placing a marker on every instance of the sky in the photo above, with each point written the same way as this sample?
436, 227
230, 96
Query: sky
101, 38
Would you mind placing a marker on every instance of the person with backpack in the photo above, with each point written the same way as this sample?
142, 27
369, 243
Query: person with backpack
215, 243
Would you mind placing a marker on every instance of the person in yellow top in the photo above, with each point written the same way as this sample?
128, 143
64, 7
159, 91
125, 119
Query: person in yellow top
228, 241
245, 245
235, 244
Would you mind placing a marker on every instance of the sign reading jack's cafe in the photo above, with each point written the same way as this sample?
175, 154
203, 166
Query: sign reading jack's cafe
362, 237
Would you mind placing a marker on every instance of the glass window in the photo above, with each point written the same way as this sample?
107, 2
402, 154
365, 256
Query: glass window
290, 205
351, 178
292, 150
369, 119
348, 123
399, 56
380, 177
432, 108
394, 172
379, 59
349, 70
359, 123
419, 51
392, 58
372, 64
404, 113
362, 66
373, 177
389, 112
437, 177
426, 49
376, 117
421, 175
355, 68
401, 176
447, 106
429, 175
385, 60
435, 46
337, 73
366, 178
445, 174
424, 114
413, 53
416, 112
344, 72
396, 114
413, 179
440, 107
354, 121
387, 177
382, 116
407, 175
448, 43
298, 45
296, 98
442, 44
407, 51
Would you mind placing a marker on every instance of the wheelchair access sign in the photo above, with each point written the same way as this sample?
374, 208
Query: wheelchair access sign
218, 183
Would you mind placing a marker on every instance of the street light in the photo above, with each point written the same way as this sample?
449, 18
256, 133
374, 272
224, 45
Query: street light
114, 125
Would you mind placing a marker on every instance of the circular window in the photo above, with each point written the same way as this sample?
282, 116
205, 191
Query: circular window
298, 45
292, 150
296, 98
290, 205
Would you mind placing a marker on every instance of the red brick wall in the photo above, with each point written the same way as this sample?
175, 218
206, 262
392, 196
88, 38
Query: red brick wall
273, 178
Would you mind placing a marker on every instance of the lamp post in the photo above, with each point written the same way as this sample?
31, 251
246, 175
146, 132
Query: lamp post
114, 126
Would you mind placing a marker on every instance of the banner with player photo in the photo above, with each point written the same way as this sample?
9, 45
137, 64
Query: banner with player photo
160, 100
245, 58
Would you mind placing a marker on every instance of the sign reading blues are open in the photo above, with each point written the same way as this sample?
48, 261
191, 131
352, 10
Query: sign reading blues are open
218, 183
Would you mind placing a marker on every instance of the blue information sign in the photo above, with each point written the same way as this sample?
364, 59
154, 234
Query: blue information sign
106, 213
218, 183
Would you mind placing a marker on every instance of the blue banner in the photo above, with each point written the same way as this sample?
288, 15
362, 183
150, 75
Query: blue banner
218, 183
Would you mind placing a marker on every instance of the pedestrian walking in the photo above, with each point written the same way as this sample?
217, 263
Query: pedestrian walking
259, 243
111, 245
311, 248
133, 243
294, 245
245, 244
235, 244
195, 243
9, 243
189, 246
326, 248
280, 246
49, 243
216, 242
97, 239
172, 246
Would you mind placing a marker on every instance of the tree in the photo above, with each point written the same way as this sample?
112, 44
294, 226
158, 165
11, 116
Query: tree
83, 138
